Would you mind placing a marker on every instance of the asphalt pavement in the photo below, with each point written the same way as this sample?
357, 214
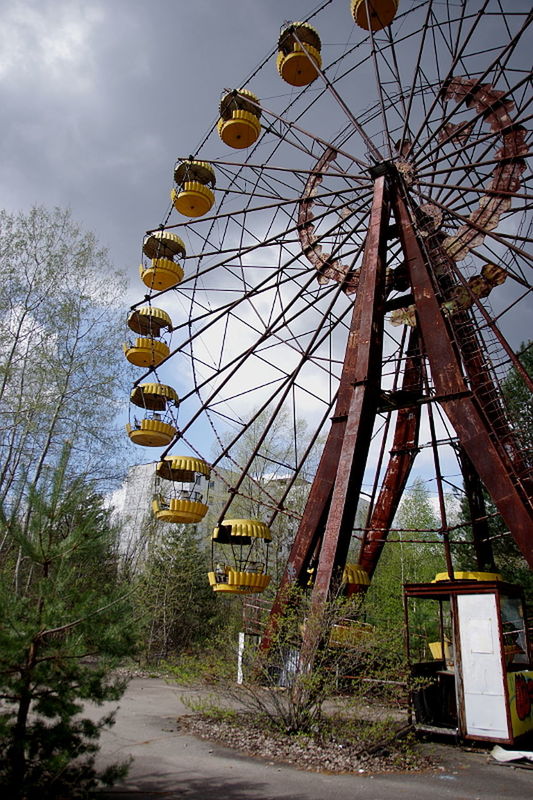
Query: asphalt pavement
170, 764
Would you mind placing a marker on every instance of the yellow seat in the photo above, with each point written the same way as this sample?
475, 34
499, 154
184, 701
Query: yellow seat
354, 574
299, 68
241, 531
245, 543
380, 13
239, 582
163, 244
435, 648
146, 352
241, 131
239, 124
186, 512
467, 576
193, 199
182, 468
162, 274
190, 170
153, 396
151, 433
149, 321
186, 480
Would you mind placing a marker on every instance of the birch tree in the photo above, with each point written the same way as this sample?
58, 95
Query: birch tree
61, 365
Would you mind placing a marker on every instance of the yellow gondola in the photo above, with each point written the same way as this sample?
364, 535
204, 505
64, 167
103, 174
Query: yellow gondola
239, 124
157, 427
182, 484
467, 576
162, 274
148, 351
194, 197
163, 244
373, 14
349, 633
162, 248
244, 543
354, 577
463, 296
299, 54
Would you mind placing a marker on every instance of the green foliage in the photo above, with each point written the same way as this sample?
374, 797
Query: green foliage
209, 707
212, 661
290, 681
66, 621
519, 399
404, 560
348, 728
61, 366
179, 610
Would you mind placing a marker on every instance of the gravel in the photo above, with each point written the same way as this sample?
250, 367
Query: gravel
304, 752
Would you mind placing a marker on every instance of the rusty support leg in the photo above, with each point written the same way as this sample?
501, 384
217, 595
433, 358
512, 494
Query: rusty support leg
455, 396
478, 514
308, 540
368, 333
403, 453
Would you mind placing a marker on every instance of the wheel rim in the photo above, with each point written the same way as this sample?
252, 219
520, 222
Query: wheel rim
265, 329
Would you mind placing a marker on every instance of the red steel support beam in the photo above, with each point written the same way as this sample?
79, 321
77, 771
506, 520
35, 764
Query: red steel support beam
454, 394
367, 331
403, 453
308, 540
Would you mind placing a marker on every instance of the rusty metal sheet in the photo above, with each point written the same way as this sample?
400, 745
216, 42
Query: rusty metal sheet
506, 176
327, 267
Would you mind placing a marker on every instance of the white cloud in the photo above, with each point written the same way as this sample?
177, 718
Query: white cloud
49, 43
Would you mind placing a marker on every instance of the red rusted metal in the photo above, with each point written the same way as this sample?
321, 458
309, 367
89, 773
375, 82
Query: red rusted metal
326, 266
453, 347
467, 339
403, 453
506, 176
455, 396
368, 326
308, 540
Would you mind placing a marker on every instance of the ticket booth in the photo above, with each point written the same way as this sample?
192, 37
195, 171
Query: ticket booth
469, 653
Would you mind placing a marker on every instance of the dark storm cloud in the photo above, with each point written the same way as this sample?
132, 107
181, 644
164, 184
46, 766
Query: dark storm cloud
98, 99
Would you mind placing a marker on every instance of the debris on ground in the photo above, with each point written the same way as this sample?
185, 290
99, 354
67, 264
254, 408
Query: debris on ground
397, 752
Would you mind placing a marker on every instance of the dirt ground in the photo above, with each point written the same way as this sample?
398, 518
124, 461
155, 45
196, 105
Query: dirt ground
171, 761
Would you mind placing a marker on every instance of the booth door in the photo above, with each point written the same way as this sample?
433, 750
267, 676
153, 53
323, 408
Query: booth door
481, 667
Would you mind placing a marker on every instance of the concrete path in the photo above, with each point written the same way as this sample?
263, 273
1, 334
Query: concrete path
168, 764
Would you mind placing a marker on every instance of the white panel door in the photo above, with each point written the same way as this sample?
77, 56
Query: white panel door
481, 665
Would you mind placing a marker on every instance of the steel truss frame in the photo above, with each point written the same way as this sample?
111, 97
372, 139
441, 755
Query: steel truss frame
462, 387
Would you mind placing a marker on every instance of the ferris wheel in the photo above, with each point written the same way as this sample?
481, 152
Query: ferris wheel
350, 250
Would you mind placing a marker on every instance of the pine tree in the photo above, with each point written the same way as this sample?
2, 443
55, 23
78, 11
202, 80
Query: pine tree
65, 624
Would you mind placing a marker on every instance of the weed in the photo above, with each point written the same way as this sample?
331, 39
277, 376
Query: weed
207, 707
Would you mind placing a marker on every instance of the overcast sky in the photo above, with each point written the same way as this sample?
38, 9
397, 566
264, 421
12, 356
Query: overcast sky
99, 97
